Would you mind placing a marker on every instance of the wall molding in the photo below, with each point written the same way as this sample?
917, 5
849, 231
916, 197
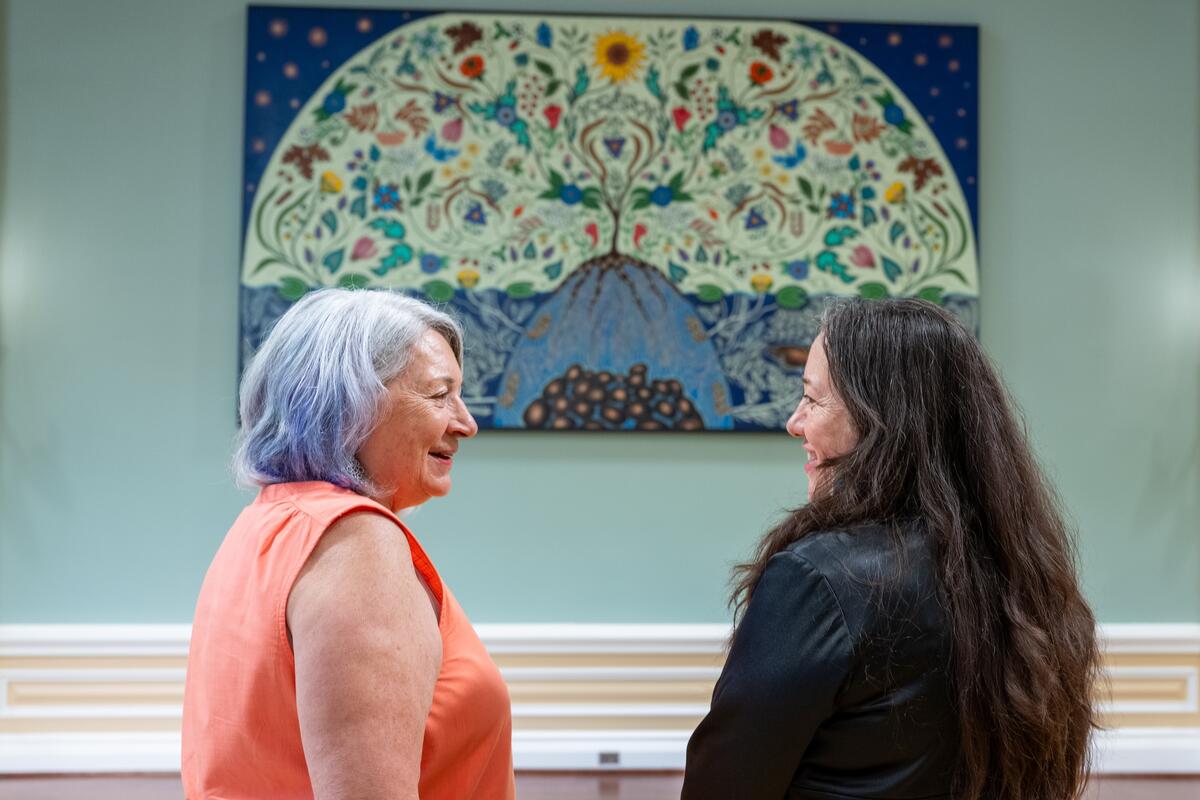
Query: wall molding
105, 698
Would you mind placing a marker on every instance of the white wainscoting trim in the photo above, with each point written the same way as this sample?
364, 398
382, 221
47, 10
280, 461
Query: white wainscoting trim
1131, 751
1122, 751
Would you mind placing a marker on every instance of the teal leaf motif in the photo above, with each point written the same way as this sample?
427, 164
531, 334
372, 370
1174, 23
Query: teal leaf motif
330, 220
333, 261
891, 269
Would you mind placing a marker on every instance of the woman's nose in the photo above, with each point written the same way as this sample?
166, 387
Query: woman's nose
466, 425
795, 423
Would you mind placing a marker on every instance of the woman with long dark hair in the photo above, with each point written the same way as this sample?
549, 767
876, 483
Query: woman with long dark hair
917, 629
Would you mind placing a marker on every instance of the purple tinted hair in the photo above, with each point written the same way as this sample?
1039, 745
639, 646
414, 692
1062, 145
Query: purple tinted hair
312, 393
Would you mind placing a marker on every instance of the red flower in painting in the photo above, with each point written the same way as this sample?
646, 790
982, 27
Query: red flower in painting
681, 116
472, 66
760, 73
303, 158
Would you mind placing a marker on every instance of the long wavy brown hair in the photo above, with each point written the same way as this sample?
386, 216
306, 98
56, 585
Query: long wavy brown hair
939, 443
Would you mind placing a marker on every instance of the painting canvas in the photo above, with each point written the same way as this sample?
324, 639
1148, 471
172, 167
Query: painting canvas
637, 220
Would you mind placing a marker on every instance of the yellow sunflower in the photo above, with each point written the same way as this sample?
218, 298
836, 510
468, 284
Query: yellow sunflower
618, 55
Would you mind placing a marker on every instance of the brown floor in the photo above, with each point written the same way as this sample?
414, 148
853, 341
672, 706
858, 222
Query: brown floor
530, 786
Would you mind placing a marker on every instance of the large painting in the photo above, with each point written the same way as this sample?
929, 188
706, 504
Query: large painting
637, 220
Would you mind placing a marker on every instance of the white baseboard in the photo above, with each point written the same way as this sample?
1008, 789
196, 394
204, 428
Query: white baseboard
1124, 752
1147, 751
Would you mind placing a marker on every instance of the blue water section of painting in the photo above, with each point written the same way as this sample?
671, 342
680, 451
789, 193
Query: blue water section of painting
618, 348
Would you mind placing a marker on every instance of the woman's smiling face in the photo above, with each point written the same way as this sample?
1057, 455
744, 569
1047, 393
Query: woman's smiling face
821, 418
411, 451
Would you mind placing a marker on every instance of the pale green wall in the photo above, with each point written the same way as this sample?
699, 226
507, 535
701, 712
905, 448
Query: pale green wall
119, 191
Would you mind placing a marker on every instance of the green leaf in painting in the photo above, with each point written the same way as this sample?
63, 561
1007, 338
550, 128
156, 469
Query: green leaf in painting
707, 293
438, 291
359, 207
424, 180
519, 291
931, 293
873, 291
805, 188
896, 231
678, 273
354, 280
553, 86
545, 68
792, 297
553, 270
682, 90
292, 289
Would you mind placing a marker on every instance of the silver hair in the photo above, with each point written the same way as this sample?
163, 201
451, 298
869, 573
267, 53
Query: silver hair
313, 392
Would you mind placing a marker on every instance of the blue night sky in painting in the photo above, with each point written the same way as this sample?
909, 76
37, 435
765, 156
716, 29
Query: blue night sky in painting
291, 51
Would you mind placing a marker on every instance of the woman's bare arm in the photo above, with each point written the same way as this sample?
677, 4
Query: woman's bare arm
368, 651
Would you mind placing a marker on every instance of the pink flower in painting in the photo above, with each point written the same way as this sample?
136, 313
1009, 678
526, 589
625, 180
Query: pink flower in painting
593, 233
552, 114
681, 116
639, 231
452, 130
363, 248
862, 256
779, 137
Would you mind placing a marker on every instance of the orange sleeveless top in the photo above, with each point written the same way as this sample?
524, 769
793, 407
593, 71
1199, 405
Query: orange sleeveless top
241, 732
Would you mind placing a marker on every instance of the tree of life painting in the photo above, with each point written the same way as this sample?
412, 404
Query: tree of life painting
637, 222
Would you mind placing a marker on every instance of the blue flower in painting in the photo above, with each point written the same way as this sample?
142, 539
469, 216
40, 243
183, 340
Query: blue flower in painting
691, 38
545, 37
790, 109
662, 196
570, 194
506, 115
797, 269
755, 220
441, 102
475, 214
841, 205
430, 263
727, 120
387, 196
894, 114
333, 103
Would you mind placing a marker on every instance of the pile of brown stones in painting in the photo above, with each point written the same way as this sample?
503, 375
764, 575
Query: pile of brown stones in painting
581, 399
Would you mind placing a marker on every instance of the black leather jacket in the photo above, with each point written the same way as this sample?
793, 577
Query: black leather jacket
836, 685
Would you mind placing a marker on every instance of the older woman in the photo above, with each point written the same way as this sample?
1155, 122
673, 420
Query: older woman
327, 657
916, 629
